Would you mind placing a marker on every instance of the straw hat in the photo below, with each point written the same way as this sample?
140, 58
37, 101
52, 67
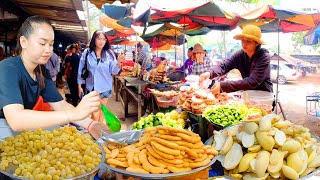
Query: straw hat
198, 48
251, 32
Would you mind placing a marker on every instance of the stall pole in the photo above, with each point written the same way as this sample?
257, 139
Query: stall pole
89, 29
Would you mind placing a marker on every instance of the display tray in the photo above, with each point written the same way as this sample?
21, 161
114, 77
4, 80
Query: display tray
125, 134
160, 176
86, 176
315, 172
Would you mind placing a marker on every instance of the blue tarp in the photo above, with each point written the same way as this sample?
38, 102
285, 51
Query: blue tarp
312, 36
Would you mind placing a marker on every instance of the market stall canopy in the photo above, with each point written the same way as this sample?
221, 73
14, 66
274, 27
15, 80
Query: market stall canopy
65, 15
313, 36
273, 19
118, 10
205, 13
100, 3
162, 48
170, 29
113, 24
161, 40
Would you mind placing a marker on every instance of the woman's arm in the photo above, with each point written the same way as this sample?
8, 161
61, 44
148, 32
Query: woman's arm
115, 66
20, 119
226, 66
256, 77
81, 65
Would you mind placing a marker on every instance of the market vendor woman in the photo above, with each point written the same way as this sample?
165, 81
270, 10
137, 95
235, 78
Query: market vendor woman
24, 81
252, 61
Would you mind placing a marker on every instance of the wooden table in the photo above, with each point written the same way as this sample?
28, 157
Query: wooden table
126, 90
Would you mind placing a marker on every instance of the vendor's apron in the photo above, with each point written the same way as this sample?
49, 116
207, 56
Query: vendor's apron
6, 131
41, 105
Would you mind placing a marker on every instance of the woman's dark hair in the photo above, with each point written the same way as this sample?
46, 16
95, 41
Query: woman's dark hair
95, 35
28, 28
191, 49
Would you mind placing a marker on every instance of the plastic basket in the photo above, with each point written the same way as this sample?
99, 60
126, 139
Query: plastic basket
163, 102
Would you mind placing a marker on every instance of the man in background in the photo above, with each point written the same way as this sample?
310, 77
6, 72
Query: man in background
53, 65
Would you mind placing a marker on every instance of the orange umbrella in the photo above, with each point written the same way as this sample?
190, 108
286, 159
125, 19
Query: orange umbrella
164, 47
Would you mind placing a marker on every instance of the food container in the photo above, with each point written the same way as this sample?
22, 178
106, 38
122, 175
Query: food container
262, 97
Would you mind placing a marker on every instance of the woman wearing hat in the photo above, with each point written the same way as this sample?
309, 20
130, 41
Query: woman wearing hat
201, 63
252, 61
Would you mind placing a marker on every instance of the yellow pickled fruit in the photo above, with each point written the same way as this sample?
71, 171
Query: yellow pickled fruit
315, 163
265, 124
265, 140
304, 156
274, 168
272, 117
250, 127
312, 156
252, 165
236, 176
280, 138
275, 157
294, 161
311, 148
219, 140
282, 124
227, 145
291, 146
262, 163
289, 172
254, 148
233, 157
306, 172
252, 176
245, 161
248, 140
275, 175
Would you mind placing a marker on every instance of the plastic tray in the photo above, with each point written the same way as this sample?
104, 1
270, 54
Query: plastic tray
315, 172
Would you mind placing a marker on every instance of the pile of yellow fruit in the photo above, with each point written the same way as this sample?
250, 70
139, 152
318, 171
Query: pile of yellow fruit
57, 154
161, 150
267, 148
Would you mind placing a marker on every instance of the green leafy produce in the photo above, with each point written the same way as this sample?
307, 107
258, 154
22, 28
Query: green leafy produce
223, 115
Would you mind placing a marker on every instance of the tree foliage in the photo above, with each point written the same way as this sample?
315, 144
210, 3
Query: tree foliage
297, 39
94, 14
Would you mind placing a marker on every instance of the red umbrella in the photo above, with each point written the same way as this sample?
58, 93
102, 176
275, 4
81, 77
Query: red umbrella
207, 14
273, 19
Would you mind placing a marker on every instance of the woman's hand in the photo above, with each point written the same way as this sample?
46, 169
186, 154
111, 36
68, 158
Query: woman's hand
95, 129
216, 88
89, 104
203, 77
80, 90
120, 59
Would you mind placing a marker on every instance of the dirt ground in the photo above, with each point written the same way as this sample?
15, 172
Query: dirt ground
292, 97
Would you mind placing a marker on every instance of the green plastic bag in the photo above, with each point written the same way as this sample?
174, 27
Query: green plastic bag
112, 120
